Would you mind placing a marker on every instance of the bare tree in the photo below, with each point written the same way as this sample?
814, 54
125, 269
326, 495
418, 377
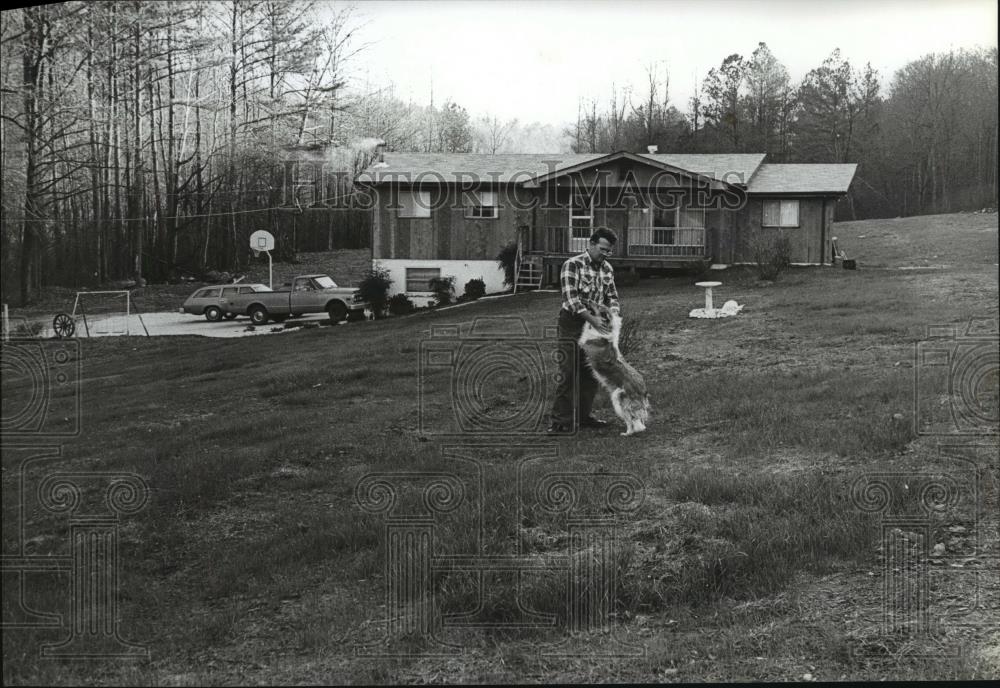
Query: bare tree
492, 134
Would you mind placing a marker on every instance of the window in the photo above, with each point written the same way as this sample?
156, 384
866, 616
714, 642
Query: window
304, 284
781, 214
486, 205
414, 204
581, 215
208, 293
419, 279
674, 225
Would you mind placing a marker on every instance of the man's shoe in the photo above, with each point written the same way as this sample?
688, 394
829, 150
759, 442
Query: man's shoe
559, 429
591, 422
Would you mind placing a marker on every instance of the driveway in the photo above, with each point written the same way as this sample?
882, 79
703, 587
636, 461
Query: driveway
167, 323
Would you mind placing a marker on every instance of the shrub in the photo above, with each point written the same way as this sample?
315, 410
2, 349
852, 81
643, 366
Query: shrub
400, 304
770, 251
444, 290
474, 289
505, 261
374, 288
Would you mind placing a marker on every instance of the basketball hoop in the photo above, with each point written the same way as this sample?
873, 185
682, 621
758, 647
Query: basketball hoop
263, 242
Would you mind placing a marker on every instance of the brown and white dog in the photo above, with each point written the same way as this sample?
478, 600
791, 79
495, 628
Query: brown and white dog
623, 383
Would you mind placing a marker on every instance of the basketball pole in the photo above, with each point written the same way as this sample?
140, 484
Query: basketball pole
264, 241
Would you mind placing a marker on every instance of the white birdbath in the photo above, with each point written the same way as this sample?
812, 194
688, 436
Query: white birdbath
707, 286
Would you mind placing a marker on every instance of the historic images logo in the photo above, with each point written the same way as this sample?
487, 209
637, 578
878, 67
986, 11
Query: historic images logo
933, 549
47, 585
509, 536
78, 591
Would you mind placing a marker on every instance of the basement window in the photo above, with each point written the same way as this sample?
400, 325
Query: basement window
781, 214
419, 279
486, 206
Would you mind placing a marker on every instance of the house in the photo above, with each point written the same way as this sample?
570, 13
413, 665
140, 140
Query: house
450, 214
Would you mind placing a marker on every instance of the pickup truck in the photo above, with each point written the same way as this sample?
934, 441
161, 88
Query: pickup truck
304, 294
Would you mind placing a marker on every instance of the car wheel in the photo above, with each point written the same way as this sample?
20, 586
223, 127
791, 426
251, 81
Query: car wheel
213, 314
258, 315
229, 316
337, 311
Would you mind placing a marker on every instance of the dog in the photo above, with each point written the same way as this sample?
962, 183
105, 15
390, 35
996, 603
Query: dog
624, 384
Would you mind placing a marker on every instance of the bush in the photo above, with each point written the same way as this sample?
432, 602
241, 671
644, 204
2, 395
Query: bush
444, 290
770, 251
505, 261
374, 288
474, 289
400, 304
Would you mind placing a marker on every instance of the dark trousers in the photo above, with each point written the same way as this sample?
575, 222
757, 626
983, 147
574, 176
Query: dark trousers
575, 374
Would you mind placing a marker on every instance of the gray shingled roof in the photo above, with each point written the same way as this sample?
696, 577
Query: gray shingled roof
520, 167
735, 168
814, 178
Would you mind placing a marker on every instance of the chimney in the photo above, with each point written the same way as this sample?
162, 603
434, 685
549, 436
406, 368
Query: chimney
652, 149
380, 154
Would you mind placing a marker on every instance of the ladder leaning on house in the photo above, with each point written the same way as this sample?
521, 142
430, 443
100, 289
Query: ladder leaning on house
527, 270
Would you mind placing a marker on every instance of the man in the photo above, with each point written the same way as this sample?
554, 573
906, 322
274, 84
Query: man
584, 279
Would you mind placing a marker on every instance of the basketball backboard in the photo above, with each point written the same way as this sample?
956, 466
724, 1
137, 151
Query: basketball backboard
261, 241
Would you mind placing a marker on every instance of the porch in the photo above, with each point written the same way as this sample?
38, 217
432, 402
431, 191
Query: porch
652, 244
542, 251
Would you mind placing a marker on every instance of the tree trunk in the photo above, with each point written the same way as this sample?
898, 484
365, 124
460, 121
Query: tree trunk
33, 48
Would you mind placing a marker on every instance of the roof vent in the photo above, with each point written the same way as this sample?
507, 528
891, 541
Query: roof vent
652, 149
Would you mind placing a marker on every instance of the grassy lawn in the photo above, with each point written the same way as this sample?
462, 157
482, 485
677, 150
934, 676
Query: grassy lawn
744, 555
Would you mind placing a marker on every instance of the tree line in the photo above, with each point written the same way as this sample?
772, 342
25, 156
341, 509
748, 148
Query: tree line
143, 139
926, 143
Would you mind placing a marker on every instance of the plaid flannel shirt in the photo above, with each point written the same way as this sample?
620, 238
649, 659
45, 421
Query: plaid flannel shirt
582, 283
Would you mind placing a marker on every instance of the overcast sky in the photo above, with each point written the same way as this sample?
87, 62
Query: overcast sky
534, 60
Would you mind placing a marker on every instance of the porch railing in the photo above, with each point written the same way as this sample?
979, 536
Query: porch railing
553, 240
667, 242
557, 239
675, 242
